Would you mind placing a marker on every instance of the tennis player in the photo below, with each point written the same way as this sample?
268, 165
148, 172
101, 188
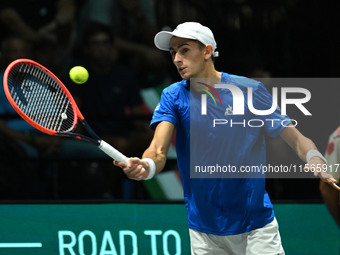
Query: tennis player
225, 215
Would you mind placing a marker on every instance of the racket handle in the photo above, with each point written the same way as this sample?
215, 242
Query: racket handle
112, 152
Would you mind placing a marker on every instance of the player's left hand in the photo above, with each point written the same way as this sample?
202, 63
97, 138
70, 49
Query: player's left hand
319, 168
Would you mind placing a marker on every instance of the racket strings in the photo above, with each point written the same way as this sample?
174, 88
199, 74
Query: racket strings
40, 97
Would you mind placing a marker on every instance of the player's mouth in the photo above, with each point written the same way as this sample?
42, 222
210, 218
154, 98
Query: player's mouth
181, 70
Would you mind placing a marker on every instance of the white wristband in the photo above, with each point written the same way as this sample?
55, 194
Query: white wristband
152, 168
315, 153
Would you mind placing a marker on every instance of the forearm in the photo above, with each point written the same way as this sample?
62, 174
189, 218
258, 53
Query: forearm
158, 157
160, 145
298, 142
303, 147
154, 158
308, 152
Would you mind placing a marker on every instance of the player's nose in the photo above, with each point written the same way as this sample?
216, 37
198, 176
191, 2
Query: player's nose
177, 59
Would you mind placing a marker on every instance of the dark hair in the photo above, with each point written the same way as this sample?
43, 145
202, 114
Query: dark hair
95, 28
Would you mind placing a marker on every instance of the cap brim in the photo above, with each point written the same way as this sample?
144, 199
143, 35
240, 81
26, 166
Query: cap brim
162, 40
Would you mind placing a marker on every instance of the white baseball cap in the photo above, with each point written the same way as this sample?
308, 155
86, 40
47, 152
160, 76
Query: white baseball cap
190, 30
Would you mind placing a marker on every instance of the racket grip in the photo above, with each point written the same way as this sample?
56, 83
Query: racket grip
112, 152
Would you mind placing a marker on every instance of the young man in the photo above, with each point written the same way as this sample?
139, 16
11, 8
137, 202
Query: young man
226, 215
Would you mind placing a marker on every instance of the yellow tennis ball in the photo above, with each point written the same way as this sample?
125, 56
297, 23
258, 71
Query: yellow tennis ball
79, 74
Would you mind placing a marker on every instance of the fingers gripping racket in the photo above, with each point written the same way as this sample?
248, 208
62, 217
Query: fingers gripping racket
41, 99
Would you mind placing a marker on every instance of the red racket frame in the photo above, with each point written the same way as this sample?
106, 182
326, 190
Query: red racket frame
76, 112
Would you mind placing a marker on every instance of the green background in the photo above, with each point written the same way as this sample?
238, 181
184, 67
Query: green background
305, 228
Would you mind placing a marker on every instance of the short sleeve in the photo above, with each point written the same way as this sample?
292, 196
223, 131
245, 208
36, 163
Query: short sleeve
165, 110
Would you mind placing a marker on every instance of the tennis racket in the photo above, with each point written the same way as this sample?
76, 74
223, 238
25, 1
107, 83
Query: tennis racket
42, 100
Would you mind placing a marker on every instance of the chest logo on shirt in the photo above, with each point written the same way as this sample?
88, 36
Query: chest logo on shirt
229, 110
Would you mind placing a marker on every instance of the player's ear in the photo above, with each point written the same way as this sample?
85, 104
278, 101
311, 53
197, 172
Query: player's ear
208, 51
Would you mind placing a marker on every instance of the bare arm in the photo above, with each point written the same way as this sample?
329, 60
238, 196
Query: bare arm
302, 145
138, 169
298, 142
160, 144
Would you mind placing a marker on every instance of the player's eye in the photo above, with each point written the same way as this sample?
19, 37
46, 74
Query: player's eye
184, 50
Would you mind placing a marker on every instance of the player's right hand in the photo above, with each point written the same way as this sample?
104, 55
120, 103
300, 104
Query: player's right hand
135, 169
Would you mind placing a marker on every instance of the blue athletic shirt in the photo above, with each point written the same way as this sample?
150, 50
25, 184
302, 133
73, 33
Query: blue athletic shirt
222, 206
